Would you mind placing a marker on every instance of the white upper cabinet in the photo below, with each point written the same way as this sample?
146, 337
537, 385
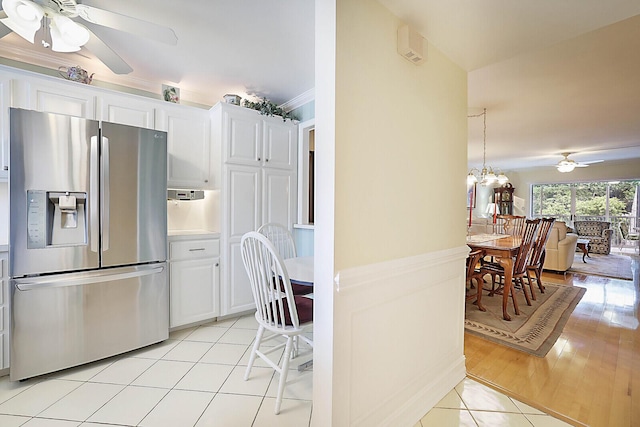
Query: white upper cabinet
279, 144
256, 140
72, 99
126, 110
188, 140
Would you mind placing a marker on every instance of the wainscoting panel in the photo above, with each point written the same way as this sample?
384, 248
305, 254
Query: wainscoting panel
398, 337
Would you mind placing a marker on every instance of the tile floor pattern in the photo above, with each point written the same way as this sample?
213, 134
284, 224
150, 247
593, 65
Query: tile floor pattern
196, 379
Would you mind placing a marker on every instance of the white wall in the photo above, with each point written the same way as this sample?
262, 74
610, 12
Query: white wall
389, 266
195, 214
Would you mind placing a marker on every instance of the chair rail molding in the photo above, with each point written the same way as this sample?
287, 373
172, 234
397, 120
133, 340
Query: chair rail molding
414, 307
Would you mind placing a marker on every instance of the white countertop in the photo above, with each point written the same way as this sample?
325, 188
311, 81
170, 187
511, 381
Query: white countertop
193, 234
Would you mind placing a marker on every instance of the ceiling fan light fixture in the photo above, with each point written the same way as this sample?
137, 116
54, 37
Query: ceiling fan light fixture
23, 17
566, 167
67, 35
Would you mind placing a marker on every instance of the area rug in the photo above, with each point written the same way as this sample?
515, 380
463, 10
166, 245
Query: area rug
612, 265
537, 327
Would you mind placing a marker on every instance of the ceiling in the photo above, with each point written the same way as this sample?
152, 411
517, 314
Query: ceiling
554, 76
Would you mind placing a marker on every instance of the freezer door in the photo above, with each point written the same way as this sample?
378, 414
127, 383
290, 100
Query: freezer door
53, 193
64, 320
134, 195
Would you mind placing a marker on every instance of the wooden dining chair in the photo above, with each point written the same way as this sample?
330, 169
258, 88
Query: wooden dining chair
512, 224
536, 260
519, 264
474, 273
279, 312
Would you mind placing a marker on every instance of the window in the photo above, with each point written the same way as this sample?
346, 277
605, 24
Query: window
615, 202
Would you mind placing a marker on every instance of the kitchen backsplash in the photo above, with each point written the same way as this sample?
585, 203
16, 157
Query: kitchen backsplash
195, 214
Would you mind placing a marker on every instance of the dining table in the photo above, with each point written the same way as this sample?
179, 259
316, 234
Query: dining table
503, 247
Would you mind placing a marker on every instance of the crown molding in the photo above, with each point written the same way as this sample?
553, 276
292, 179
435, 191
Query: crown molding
300, 100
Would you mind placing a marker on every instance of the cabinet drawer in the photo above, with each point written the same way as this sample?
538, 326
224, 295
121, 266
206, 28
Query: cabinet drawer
195, 249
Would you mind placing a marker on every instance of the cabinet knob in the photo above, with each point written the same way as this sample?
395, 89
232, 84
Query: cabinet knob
217, 264
206, 180
266, 160
259, 159
6, 168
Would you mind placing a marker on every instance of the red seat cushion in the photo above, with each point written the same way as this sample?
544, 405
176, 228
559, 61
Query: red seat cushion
305, 310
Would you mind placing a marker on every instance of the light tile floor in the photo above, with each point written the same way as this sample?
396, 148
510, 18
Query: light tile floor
196, 379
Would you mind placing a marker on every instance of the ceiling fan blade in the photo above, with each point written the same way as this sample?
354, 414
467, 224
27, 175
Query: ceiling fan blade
107, 55
4, 30
128, 24
592, 162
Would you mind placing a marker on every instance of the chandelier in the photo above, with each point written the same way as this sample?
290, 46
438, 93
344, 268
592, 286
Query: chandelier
487, 175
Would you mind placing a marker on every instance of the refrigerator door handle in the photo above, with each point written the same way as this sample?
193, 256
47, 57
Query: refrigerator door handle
94, 178
32, 284
105, 193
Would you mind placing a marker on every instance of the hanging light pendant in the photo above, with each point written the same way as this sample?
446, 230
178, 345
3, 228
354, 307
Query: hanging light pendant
487, 175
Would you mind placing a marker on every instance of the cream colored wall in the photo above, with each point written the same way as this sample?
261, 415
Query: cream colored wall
401, 137
391, 142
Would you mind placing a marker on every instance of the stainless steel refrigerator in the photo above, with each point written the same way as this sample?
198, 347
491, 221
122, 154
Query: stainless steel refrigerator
87, 240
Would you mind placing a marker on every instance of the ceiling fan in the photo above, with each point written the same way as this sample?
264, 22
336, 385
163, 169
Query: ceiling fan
567, 164
60, 31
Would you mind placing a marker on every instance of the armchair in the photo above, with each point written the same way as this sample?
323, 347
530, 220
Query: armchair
599, 234
560, 249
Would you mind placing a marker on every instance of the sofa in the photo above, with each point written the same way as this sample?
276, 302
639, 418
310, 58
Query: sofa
599, 234
560, 249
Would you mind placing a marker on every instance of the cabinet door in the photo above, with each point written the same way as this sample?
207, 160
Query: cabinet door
5, 103
244, 200
62, 98
126, 110
243, 136
188, 140
236, 296
280, 146
4, 312
194, 291
278, 196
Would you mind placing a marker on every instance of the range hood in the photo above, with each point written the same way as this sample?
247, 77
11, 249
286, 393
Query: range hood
185, 194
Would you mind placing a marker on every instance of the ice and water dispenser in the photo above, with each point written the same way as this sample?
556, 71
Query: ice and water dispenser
56, 218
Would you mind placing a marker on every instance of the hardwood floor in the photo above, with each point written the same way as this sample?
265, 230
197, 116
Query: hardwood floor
592, 374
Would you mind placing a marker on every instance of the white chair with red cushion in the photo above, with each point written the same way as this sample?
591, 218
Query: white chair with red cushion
278, 311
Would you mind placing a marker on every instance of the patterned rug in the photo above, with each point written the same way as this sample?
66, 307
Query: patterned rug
537, 327
612, 265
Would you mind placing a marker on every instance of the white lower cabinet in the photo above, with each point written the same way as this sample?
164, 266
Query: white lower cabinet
4, 311
194, 271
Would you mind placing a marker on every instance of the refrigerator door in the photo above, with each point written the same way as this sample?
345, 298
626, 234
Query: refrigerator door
53, 181
64, 320
134, 195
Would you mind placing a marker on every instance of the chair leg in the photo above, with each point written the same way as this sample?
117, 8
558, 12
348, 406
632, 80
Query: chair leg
516, 309
254, 349
538, 272
284, 371
524, 290
533, 294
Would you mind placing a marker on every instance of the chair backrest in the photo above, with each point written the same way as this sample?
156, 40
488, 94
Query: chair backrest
544, 230
528, 236
270, 283
281, 239
512, 224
